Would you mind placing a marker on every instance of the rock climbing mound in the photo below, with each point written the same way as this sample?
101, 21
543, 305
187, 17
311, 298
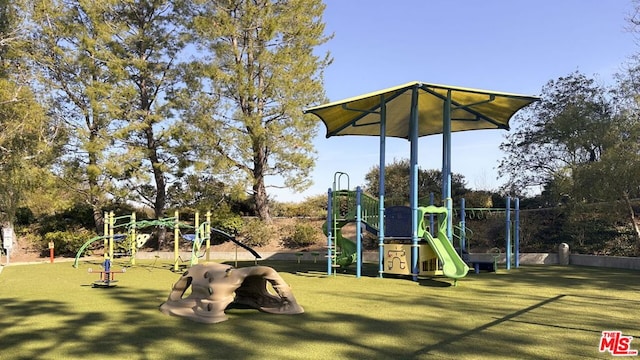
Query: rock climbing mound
216, 287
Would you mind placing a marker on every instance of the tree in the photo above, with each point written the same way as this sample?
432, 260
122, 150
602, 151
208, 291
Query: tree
583, 140
111, 66
27, 136
263, 70
397, 183
70, 47
10, 28
147, 50
557, 134
26, 146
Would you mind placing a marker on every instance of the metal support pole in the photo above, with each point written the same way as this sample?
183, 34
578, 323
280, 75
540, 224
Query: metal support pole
111, 235
207, 230
432, 228
413, 181
516, 232
381, 190
330, 252
105, 233
446, 163
358, 232
508, 231
176, 242
463, 227
196, 240
134, 240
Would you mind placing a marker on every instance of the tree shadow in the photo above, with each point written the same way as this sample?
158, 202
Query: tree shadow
386, 318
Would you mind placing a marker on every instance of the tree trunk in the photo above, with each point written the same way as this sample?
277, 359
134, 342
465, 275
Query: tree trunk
98, 218
92, 178
161, 191
261, 201
260, 197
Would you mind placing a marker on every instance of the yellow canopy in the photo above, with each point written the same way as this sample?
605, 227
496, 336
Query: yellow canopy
471, 109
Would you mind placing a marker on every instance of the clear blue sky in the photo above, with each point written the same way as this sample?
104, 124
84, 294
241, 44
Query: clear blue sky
502, 45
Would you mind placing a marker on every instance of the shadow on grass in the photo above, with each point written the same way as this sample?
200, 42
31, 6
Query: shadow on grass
133, 329
345, 318
475, 331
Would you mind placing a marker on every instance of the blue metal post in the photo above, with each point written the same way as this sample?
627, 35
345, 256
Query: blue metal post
381, 192
432, 228
446, 163
508, 231
463, 227
516, 233
358, 232
330, 252
413, 182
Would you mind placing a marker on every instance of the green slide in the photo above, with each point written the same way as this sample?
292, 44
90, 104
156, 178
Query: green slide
347, 255
452, 264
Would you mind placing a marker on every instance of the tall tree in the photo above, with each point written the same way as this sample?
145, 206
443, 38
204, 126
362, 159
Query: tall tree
11, 28
582, 142
27, 142
27, 137
556, 135
263, 69
111, 64
397, 183
148, 50
70, 45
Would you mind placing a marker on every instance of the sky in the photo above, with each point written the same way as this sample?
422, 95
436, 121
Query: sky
500, 45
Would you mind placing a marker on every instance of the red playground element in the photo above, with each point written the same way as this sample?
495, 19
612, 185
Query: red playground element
107, 276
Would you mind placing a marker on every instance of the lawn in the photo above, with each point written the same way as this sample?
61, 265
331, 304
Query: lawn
50, 311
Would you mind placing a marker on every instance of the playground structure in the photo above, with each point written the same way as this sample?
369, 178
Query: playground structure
346, 206
412, 110
133, 240
216, 287
128, 235
436, 254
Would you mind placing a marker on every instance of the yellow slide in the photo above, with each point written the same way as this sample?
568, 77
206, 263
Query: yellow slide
452, 264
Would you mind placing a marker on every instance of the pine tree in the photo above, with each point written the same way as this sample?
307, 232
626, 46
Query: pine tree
110, 66
260, 68
27, 136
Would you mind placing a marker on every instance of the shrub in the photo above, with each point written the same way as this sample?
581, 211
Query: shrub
79, 216
302, 235
226, 220
314, 206
24, 217
256, 232
68, 242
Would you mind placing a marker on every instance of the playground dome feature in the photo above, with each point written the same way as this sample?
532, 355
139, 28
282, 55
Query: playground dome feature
215, 287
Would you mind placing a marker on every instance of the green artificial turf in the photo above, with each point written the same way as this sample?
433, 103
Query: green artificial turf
50, 311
